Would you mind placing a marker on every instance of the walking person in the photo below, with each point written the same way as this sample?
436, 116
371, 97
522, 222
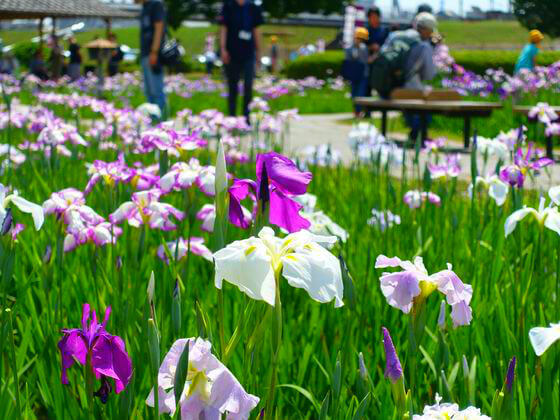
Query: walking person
116, 56
152, 30
240, 43
75, 63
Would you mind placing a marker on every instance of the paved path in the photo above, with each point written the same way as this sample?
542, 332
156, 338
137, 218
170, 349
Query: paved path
333, 129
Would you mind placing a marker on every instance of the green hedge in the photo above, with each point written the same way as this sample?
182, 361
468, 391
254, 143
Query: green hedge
329, 63
323, 66
480, 60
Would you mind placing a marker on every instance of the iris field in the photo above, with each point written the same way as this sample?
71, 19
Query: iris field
309, 314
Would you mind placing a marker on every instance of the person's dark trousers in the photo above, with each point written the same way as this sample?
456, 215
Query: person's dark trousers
414, 122
359, 88
113, 69
234, 71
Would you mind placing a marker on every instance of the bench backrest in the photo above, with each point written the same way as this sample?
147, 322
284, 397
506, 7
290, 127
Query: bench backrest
443, 95
434, 95
407, 94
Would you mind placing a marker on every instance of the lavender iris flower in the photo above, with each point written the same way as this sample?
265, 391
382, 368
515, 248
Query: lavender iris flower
94, 346
403, 287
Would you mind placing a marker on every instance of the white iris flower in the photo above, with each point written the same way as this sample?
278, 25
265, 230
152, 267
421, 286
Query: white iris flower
255, 264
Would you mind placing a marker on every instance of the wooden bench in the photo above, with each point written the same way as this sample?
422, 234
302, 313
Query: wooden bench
524, 110
431, 105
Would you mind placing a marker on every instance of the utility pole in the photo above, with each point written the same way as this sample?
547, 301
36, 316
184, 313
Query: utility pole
396, 10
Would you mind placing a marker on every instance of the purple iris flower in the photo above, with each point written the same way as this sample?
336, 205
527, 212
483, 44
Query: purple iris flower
510, 374
285, 180
523, 163
94, 346
393, 368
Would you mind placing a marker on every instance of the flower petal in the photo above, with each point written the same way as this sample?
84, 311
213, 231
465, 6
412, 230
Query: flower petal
542, 338
247, 265
313, 268
515, 217
25, 206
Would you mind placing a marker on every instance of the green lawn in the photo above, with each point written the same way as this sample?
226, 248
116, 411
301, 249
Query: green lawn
487, 34
192, 39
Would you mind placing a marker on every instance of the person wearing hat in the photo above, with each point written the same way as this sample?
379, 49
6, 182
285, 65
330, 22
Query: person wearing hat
419, 67
273, 54
357, 66
527, 58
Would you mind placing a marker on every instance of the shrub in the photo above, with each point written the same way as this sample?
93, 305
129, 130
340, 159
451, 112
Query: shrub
329, 64
322, 66
24, 52
479, 61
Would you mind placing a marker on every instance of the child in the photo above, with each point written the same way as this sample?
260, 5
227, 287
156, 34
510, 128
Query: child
273, 54
527, 58
357, 66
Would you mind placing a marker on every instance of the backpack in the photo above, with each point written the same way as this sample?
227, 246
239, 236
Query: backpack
387, 71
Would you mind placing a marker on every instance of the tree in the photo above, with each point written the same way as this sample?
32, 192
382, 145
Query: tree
180, 10
543, 15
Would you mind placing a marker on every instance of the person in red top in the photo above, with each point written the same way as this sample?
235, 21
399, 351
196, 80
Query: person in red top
240, 42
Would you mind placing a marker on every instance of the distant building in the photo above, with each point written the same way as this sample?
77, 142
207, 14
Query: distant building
476, 13
499, 15
447, 15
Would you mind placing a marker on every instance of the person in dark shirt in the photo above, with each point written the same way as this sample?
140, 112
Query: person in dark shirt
240, 47
116, 56
74, 66
37, 66
377, 33
152, 30
55, 59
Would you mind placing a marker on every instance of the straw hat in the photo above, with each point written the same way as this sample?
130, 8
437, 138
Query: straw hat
362, 33
535, 36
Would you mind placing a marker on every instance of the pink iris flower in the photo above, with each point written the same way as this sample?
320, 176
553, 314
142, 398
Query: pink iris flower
450, 168
181, 247
523, 164
146, 209
84, 226
402, 287
94, 346
110, 172
414, 198
183, 175
61, 201
285, 180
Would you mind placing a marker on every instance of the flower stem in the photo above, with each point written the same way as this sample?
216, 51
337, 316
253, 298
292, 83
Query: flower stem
221, 321
276, 344
89, 387
14, 364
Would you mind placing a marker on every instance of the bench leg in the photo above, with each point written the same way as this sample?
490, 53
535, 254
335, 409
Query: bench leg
467, 132
384, 123
549, 153
424, 128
